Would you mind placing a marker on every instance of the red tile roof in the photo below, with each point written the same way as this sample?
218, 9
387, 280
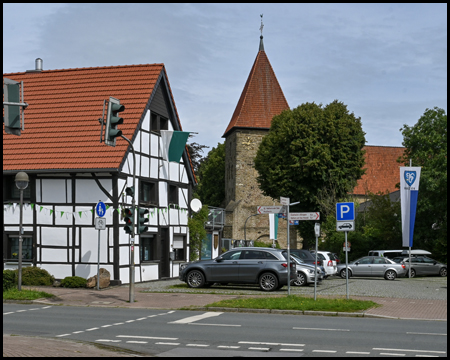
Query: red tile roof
383, 170
261, 99
61, 122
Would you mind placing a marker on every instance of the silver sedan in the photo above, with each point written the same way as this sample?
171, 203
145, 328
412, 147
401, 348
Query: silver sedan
423, 265
373, 266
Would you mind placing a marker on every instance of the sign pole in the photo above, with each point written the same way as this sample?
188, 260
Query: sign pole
346, 263
315, 271
288, 252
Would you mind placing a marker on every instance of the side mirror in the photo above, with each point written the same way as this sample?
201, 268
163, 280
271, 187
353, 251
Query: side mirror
219, 258
435, 262
356, 263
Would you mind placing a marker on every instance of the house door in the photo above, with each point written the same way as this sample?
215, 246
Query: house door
164, 270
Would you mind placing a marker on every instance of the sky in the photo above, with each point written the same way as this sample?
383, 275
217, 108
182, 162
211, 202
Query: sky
386, 62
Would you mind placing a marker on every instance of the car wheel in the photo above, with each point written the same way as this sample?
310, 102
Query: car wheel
342, 273
268, 282
301, 279
195, 279
413, 273
443, 272
390, 275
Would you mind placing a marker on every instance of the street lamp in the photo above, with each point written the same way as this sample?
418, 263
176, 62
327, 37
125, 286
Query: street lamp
245, 225
22, 181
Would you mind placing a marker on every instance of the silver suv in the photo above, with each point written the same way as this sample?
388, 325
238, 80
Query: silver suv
266, 267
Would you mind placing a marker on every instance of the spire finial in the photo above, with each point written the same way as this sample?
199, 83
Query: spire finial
261, 44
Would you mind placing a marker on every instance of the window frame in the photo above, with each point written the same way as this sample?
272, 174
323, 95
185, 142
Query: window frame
153, 193
9, 246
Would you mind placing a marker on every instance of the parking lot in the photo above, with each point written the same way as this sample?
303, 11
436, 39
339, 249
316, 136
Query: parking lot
433, 288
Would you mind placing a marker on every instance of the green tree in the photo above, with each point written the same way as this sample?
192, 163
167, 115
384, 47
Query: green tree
195, 152
426, 146
197, 232
211, 177
307, 149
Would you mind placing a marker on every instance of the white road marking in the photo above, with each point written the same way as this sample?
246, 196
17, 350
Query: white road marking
358, 352
228, 347
214, 324
11, 312
417, 355
136, 342
427, 351
325, 351
268, 343
63, 335
417, 333
163, 343
106, 325
301, 328
141, 319
46, 307
118, 323
91, 329
35, 309
107, 340
19, 311
146, 337
78, 332
198, 345
260, 349
191, 319
392, 354
291, 349
130, 321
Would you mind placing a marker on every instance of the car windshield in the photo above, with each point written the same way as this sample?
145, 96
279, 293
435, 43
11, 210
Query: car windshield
297, 258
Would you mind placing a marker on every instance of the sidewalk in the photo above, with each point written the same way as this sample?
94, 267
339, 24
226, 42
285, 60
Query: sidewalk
119, 297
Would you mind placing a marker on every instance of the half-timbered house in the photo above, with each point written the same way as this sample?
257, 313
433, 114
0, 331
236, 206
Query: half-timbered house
71, 170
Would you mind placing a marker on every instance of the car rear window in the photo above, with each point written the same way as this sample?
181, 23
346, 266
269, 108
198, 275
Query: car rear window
331, 256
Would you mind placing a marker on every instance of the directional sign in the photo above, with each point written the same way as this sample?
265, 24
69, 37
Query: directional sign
294, 222
100, 209
345, 211
304, 216
270, 209
284, 200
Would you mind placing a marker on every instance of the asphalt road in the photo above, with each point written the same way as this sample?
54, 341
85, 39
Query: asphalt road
202, 333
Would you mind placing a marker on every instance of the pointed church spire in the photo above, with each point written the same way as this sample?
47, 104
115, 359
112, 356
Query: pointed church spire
261, 44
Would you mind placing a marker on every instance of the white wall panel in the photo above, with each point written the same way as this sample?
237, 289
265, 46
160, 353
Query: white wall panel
89, 245
184, 174
163, 169
137, 143
66, 218
125, 275
54, 255
12, 214
124, 255
173, 217
183, 217
154, 150
146, 121
153, 219
43, 216
58, 271
149, 272
145, 143
86, 215
163, 218
183, 198
87, 190
54, 236
174, 171
163, 194
54, 190
145, 166
154, 168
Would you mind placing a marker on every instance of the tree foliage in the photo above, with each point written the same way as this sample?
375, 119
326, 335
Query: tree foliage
426, 146
197, 232
211, 177
307, 149
195, 152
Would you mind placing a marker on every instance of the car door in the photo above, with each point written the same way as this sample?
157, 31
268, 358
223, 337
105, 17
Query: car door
379, 266
429, 266
226, 269
363, 268
418, 265
250, 264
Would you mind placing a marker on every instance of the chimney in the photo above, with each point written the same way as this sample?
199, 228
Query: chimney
38, 66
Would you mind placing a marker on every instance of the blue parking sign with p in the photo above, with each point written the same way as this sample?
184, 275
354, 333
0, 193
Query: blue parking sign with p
345, 211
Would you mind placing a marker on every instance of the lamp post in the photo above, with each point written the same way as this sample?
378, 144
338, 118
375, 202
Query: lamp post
22, 181
245, 226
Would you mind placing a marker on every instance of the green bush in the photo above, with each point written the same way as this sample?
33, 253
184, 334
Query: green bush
9, 279
32, 275
73, 282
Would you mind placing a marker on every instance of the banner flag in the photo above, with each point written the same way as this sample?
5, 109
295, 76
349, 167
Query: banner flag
409, 192
173, 144
273, 223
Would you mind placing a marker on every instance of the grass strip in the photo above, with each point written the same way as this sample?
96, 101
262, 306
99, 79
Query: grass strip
24, 294
295, 302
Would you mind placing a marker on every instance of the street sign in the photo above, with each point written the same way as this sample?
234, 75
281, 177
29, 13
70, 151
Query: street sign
345, 226
284, 200
100, 209
294, 222
304, 216
100, 224
317, 229
345, 211
270, 209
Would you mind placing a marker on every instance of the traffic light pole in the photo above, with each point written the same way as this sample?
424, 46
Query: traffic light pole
133, 207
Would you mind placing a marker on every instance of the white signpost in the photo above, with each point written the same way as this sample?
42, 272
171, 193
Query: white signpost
304, 216
270, 209
345, 221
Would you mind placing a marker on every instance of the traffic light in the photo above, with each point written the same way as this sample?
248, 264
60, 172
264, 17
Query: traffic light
141, 228
130, 191
112, 120
129, 221
11, 90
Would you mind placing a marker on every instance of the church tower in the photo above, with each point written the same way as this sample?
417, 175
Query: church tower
261, 100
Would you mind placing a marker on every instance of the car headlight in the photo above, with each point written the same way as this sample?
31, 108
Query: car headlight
311, 271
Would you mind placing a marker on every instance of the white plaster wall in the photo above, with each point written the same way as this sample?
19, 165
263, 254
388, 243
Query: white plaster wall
145, 143
153, 218
162, 193
173, 216
54, 255
154, 168
145, 166
58, 271
12, 215
149, 272
87, 191
53, 190
124, 275
154, 150
163, 218
137, 143
89, 245
54, 236
182, 198
123, 237
66, 218
87, 217
43, 216
183, 217
174, 171
124, 255
184, 175
146, 121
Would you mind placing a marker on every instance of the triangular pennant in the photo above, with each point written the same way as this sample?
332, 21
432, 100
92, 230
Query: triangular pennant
41, 207
51, 211
62, 213
32, 206
80, 212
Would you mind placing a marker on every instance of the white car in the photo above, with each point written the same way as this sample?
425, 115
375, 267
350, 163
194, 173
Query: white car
328, 261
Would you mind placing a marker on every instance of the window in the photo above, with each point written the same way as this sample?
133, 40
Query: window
148, 248
178, 248
173, 195
27, 248
148, 193
232, 255
11, 192
158, 123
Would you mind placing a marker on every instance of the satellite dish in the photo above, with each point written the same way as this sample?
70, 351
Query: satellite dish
196, 205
